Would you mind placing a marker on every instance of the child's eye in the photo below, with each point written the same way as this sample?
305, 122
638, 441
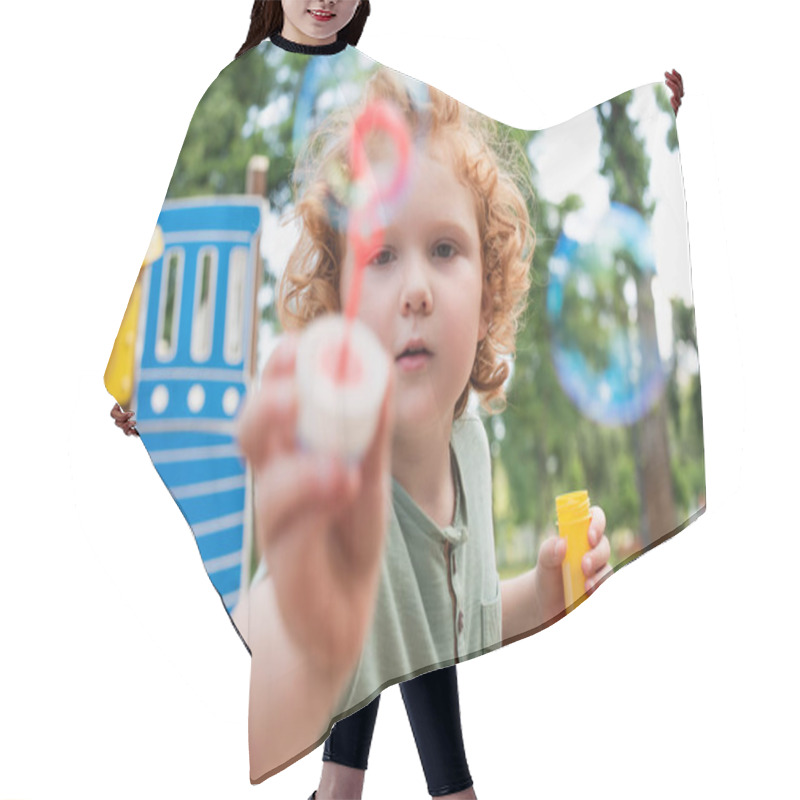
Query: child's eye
444, 250
382, 258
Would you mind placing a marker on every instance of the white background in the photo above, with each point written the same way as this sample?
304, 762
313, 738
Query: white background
120, 674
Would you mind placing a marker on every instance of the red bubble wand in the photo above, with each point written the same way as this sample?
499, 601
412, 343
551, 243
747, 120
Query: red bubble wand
364, 228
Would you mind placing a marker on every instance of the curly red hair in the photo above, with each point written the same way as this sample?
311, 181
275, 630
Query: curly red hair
493, 168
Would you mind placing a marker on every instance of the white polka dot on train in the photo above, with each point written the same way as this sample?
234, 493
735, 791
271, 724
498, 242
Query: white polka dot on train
342, 371
159, 399
196, 398
230, 400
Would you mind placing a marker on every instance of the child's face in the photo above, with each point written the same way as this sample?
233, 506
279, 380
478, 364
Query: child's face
425, 284
317, 20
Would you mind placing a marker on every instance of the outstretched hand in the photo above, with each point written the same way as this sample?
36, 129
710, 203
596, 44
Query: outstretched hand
595, 566
124, 420
674, 82
319, 524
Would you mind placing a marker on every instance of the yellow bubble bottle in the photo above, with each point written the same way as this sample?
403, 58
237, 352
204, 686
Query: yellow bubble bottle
572, 510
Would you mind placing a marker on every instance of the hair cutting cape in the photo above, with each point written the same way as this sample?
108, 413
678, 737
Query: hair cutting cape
603, 387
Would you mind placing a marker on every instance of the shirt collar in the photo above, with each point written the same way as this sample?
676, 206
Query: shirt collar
308, 49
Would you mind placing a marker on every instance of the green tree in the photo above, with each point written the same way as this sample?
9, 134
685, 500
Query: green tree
546, 445
627, 165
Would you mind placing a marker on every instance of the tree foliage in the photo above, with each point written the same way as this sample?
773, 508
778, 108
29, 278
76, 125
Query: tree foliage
542, 445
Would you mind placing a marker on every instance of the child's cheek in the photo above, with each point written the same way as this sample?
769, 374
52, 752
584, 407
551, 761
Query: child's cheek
376, 310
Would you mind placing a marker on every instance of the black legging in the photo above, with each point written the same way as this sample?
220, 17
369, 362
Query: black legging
432, 706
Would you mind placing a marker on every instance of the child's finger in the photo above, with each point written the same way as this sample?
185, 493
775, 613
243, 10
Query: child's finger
597, 527
674, 81
272, 406
596, 558
676, 94
598, 578
126, 423
297, 483
268, 421
282, 360
552, 552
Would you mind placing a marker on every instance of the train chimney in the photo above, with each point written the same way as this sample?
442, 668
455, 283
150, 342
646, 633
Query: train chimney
256, 176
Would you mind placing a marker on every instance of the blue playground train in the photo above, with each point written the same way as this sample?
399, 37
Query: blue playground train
194, 362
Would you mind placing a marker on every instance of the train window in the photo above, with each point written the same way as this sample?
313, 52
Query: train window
204, 293
234, 313
169, 305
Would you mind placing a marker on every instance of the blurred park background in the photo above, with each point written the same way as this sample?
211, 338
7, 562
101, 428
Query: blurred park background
604, 392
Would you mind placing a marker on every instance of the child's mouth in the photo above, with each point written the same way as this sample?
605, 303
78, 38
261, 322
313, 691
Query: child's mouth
323, 16
413, 359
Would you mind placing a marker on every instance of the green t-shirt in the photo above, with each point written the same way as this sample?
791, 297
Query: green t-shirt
438, 600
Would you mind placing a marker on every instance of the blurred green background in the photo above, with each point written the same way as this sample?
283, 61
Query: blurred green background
647, 471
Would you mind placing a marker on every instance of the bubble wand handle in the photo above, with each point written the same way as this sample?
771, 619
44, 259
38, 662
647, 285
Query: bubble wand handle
364, 229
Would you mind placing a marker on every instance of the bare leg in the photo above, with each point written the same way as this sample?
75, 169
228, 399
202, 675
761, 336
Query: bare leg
339, 782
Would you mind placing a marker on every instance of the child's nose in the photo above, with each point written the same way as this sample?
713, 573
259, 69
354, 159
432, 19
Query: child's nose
417, 304
417, 296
